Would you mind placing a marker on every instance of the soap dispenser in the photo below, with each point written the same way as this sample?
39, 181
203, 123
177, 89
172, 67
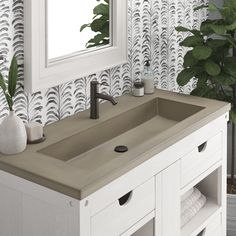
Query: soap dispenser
148, 78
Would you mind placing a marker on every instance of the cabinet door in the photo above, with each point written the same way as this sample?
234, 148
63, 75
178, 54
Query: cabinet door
167, 222
44, 218
28, 209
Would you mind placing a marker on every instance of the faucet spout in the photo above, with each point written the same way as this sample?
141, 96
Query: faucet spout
107, 97
95, 95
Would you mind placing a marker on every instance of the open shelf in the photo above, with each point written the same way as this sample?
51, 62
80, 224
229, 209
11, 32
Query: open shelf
210, 187
200, 221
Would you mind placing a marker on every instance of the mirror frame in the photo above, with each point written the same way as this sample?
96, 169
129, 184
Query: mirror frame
39, 74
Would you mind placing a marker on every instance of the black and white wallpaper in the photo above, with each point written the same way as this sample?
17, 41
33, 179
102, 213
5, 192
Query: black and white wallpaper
151, 35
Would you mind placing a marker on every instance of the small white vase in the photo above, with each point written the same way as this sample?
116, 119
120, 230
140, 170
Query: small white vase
13, 138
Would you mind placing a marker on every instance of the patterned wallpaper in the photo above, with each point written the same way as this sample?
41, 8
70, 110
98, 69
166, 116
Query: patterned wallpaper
151, 34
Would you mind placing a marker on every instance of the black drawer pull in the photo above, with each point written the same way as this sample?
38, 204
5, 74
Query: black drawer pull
202, 147
123, 200
202, 233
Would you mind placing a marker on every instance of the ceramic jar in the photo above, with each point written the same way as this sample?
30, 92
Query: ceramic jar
13, 138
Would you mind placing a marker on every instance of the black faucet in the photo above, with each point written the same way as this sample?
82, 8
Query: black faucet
95, 95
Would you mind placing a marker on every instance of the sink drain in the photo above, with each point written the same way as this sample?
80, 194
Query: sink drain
121, 149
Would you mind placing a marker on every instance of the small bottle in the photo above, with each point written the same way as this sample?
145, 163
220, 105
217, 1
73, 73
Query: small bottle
148, 78
138, 89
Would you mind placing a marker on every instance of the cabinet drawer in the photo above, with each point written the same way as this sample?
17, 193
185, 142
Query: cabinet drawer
125, 212
201, 158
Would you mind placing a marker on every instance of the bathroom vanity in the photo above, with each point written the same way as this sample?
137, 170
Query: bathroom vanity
75, 184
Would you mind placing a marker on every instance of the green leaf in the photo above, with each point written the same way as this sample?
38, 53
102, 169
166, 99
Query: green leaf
100, 25
231, 40
225, 79
101, 9
201, 7
202, 52
216, 43
2, 83
9, 101
192, 41
12, 78
185, 76
84, 26
212, 68
205, 27
212, 7
230, 65
219, 29
189, 60
232, 26
184, 29
97, 39
202, 88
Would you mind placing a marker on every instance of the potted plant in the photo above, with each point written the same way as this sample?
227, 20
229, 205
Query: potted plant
211, 62
100, 25
13, 136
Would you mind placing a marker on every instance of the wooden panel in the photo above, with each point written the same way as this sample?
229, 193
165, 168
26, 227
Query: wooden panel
11, 212
168, 194
28, 209
41, 218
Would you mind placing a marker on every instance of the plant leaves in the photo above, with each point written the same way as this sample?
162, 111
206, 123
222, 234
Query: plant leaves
184, 29
97, 40
2, 83
192, 41
189, 60
9, 101
219, 29
185, 76
216, 43
212, 7
230, 65
100, 25
205, 27
212, 68
84, 26
202, 52
101, 9
12, 78
201, 7
225, 79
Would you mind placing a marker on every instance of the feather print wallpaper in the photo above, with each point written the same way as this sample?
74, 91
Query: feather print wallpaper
151, 35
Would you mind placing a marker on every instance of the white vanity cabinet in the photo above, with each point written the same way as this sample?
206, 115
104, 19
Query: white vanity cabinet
146, 201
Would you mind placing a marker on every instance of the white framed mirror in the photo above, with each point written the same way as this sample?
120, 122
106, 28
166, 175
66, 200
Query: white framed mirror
69, 39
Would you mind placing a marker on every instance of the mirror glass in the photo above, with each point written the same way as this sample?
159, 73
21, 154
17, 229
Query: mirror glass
77, 26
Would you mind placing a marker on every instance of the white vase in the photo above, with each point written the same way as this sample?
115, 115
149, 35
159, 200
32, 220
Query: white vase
13, 138
231, 214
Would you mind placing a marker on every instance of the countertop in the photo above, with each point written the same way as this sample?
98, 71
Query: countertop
72, 181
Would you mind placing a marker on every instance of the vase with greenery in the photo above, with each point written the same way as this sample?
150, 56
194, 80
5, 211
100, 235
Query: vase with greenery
13, 136
100, 25
211, 62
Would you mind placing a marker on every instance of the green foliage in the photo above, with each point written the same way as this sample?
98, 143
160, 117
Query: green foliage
9, 89
211, 59
100, 25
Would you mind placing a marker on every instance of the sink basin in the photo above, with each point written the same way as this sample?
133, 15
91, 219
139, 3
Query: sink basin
94, 147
